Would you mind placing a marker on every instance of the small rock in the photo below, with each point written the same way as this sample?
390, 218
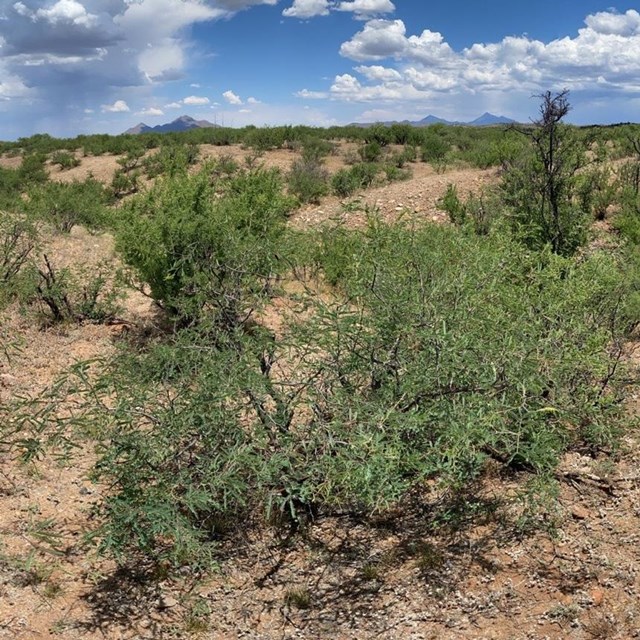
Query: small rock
7, 380
597, 596
167, 602
579, 512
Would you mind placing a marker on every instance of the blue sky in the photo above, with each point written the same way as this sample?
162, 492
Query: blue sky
85, 66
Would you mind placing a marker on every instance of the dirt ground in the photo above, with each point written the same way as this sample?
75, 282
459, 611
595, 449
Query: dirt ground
411, 576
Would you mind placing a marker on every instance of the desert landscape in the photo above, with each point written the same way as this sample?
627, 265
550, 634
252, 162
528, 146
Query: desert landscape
322, 384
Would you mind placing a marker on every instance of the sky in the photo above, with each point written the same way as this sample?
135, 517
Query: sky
101, 66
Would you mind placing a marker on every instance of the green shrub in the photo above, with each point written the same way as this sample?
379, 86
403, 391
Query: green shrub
202, 255
370, 152
434, 147
18, 241
596, 191
541, 190
125, 183
314, 148
170, 160
453, 206
64, 160
32, 170
308, 180
75, 296
65, 204
394, 173
344, 183
377, 134
418, 378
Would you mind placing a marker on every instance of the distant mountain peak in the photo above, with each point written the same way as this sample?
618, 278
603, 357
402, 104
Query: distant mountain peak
485, 120
181, 123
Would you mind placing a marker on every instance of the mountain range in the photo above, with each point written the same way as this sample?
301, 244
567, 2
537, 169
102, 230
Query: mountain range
183, 123
485, 120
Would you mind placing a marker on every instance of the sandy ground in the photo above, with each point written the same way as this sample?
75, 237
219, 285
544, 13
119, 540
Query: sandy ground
406, 577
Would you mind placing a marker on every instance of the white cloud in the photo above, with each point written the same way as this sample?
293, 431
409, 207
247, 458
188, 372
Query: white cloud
609, 23
244, 110
196, 100
173, 105
604, 54
364, 9
68, 11
231, 97
361, 9
376, 72
88, 110
305, 9
252, 100
151, 111
119, 106
311, 95
378, 40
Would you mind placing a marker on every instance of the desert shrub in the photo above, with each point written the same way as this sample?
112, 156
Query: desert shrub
64, 159
477, 212
308, 180
416, 379
370, 152
18, 241
596, 191
204, 256
453, 206
64, 295
314, 148
378, 134
10, 189
541, 190
394, 173
265, 138
125, 183
345, 182
131, 159
32, 170
400, 133
365, 173
170, 160
65, 204
223, 166
434, 147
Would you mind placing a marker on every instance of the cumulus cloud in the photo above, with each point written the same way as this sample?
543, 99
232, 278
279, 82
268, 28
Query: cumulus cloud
364, 9
151, 111
604, 53
361, 9
305, 9
119, 106
231, 97
313, 95
173, 105
252, 100
195, 100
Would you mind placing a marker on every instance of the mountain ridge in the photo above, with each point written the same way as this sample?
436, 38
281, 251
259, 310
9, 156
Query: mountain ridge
485, 120
182, 123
